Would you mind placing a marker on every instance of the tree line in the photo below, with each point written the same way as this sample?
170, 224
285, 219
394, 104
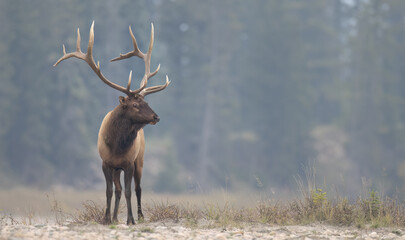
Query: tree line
260, 89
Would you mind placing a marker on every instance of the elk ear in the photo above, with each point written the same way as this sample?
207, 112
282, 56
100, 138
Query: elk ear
122, 99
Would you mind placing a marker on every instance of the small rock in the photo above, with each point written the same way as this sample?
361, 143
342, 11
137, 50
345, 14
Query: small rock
122, 226
63, 228
390, 236
221, 236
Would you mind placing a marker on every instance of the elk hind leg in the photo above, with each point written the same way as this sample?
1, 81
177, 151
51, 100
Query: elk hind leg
108, 179
128, 173
138, 190
117, 183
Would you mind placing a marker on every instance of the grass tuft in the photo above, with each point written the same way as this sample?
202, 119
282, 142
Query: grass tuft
56, 209
91, 213
163, 211
7, 219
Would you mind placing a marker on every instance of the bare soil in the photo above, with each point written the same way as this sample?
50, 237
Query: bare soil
170, 230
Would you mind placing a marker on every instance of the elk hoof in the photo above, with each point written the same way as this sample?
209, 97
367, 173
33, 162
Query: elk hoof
130, 221
106, 221
140, 216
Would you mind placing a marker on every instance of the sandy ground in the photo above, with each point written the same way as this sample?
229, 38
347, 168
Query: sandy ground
170, 230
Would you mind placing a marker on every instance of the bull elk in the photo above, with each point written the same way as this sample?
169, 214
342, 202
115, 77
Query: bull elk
121, 142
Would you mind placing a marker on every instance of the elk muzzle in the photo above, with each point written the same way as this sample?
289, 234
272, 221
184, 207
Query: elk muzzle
156, 119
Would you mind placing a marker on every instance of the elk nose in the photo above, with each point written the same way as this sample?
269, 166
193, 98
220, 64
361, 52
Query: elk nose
156, 118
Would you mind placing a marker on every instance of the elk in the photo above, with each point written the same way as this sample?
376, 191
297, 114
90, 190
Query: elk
121, 142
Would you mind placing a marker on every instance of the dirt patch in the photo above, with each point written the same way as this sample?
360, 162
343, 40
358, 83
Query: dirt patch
170, 230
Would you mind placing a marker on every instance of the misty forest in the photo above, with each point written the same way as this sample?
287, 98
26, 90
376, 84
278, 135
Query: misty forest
260, 91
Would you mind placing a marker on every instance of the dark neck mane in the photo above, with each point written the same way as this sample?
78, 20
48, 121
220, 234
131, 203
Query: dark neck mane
121, 133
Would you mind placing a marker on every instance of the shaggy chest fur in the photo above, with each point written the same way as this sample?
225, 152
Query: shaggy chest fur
120, 135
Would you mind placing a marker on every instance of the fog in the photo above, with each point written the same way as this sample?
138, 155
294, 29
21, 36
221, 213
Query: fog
262, 93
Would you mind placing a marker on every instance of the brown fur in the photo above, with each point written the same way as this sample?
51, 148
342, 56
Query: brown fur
121, 134
121, 145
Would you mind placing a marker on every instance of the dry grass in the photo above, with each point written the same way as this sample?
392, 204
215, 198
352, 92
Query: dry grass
221, 210
163, 211
91, 213
7, 219
372, 212
56, 209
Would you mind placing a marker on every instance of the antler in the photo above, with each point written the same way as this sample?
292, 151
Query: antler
88, 57
146, 58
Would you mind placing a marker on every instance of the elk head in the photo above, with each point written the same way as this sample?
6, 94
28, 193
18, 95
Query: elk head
133, 106
137, 110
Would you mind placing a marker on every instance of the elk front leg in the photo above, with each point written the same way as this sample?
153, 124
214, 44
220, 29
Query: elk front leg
116, 178
128, 173
108, 180
138, 190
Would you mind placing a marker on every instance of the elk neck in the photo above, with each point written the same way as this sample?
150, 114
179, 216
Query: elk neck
121, 132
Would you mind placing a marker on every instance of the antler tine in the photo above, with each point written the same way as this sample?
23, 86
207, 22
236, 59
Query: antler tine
77, 54
134, 40
77, 41
88, 57
145, 79
154, 89
129, 81
149, 54
91, 43
135, 52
